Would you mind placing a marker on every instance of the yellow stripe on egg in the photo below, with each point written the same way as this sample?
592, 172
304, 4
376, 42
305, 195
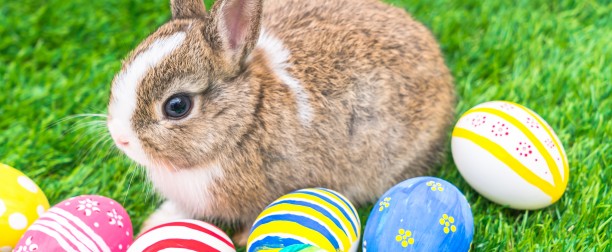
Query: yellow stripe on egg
346, 225
505, 157
310, 214
341, 202
554, 139
294, 229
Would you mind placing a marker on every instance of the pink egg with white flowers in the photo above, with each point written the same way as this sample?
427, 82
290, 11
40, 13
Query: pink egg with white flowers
83, 223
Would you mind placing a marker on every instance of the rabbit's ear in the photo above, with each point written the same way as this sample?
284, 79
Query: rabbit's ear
237, 23
187, 9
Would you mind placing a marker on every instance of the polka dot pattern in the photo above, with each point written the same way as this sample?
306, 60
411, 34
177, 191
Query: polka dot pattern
20, 206
40, 210
27, 183
18, 221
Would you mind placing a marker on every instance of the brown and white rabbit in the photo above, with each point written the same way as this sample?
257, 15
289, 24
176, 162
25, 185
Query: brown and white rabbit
229, 110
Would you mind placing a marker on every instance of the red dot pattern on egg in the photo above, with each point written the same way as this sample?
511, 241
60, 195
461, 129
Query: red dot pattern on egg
525, 150
500, 129
532, 123
549, 143
479, 120
506, 106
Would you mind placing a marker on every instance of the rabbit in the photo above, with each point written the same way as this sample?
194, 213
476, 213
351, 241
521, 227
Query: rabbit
231, 108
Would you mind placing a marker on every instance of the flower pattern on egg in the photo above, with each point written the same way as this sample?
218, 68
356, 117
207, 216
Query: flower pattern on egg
115, 218
549, 143
88, 206
448, 223
532, 123
404, 237
412, 220
479, 120
524, 149
94, 213
435, 186
384, 204
506, 106
500, 129
29, 246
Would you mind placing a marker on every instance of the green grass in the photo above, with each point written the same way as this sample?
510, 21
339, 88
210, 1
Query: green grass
57, 58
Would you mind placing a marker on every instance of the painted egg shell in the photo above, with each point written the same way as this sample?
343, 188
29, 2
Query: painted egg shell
420, 214
510, 155
317, 217
83, 223
21, 203
295, 248
183, 235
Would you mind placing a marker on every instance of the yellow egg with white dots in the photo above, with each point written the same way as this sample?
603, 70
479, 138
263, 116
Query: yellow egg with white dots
21, 203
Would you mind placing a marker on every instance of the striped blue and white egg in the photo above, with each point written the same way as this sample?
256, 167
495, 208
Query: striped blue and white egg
420, 214
319, 217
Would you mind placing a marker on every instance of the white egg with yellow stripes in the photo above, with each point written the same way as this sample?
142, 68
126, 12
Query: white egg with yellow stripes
510, 155
317, 217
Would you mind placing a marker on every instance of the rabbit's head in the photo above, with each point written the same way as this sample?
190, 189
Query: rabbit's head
184, 94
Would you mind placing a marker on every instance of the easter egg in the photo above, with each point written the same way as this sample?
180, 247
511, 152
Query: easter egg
183, 235
510, 155
296, 248
302, 248
420, 214
21, 203
318, 217
83, 223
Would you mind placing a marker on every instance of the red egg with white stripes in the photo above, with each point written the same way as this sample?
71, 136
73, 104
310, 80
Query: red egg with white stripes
79, 224
186, 235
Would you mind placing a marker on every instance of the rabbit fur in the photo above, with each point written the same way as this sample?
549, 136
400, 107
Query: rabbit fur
350, 95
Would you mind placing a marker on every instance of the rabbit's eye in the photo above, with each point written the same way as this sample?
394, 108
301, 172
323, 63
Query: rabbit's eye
177, 106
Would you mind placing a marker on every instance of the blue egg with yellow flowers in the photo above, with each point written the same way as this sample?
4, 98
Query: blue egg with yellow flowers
314, 219
420, 214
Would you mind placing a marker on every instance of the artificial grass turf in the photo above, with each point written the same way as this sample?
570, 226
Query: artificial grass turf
57, 59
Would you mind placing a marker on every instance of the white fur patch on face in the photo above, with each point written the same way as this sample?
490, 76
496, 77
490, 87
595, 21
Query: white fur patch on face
278, 55
123, 103
188, 188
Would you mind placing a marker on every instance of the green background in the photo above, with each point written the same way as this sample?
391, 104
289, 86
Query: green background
57, 59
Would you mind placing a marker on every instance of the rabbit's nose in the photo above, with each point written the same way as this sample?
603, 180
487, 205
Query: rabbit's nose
122, 141
120, 138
